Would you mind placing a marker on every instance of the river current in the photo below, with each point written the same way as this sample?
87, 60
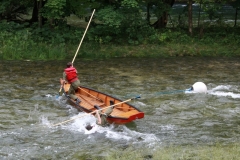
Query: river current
30, 105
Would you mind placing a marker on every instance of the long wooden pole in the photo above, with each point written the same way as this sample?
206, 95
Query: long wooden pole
79, 45
83, 37
60, 90
95, 111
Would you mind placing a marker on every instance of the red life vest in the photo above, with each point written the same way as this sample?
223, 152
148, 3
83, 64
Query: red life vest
71, 74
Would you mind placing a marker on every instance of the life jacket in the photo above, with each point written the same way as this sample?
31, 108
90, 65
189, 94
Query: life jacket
71, 74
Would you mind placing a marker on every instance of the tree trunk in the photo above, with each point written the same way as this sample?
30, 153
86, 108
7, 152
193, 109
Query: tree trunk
199, 13
162, 21
148, 12
190, 24
235, 23
40, 19
34, 13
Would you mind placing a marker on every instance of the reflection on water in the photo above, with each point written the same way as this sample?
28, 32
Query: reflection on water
29, 106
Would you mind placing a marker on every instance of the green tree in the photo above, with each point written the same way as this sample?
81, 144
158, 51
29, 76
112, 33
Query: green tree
10, 9
120, 21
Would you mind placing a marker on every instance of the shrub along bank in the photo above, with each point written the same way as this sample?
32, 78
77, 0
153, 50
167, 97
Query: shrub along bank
20, 43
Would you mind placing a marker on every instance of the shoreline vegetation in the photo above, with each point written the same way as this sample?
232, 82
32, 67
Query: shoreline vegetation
18, 42
94, 51
195, 152
21, 42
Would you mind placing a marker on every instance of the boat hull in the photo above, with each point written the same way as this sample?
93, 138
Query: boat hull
123, 112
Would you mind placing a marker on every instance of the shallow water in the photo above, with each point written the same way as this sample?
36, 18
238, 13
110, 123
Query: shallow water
29, 106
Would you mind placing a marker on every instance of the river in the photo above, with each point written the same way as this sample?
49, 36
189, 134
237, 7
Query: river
29, 105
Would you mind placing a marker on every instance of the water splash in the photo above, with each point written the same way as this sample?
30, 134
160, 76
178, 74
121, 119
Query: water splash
48, 95
44, 121
111, 132
226, 91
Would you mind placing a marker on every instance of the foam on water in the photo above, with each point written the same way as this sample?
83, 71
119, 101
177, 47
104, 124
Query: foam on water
44, 121
80, 121
112, 131
222, 91
48, 95
225, 90
138, 103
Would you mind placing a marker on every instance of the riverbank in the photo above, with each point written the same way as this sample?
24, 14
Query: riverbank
164, 50
62, 43
214, 152
93, 51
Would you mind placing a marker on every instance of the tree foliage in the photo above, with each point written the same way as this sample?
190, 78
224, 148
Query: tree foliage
114, 20
10, 9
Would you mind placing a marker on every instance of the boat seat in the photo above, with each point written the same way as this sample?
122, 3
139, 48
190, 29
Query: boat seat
89, 102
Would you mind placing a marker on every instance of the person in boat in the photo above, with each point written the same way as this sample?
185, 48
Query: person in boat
70, 76
101, 117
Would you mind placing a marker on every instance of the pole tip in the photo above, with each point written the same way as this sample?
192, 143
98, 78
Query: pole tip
138, 97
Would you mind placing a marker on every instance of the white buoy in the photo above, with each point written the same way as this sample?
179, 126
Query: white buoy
199, 87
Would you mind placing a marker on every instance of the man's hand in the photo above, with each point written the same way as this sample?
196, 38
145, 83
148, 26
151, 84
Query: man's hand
62, 81
99, 122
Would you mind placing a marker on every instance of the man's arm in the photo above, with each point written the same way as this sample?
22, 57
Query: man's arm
64, 78
99, 120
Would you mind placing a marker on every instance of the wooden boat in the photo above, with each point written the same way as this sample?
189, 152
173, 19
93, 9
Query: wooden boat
122, 113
